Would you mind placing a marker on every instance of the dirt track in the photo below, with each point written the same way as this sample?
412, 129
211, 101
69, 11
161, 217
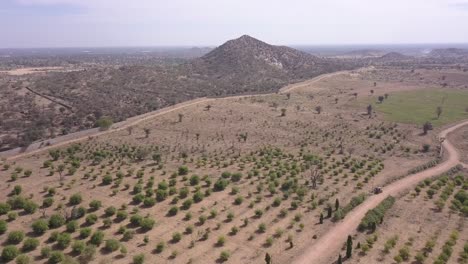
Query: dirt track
326, 248
85, 134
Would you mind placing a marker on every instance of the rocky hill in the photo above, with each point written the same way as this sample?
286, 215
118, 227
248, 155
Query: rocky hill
240, 66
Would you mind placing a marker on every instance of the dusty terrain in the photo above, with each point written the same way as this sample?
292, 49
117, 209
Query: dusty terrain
276, 142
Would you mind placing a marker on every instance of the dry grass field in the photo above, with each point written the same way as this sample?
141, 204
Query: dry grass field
233, 179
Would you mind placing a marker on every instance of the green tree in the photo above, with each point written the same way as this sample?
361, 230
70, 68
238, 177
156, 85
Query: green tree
104, 123
9, 253
349, 247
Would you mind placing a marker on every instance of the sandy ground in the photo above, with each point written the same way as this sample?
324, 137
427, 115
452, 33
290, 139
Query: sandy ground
24, 71
324, 249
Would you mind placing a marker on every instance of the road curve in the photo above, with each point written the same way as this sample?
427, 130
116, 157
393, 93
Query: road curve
328, 246
37, 147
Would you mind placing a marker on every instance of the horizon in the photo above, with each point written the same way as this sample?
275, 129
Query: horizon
149, 23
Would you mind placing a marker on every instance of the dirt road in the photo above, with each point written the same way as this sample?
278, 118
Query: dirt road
46, 145
326, 249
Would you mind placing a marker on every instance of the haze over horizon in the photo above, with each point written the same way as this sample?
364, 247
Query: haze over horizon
119, 23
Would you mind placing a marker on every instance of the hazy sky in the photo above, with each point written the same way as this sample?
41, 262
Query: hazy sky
73, 23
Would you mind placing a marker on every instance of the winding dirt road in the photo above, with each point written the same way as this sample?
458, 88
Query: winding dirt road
40, 146
323, 250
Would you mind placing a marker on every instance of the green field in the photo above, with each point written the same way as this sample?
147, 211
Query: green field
417, 107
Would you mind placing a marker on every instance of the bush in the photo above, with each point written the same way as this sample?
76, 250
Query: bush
236, 177
63, 240
91, 219
85, 232
9, 253
261, 228
147, 223
23, 259
30, 207
176, 237
224, 256
88, 254
149, 202
160, 247
221, 241
183, 170
104, 123
198, 196
30, 244
45, 252
110, 211
220, 185
56, 257
173, 211
56, 221
72, 226
75, 199
194, 180
78, 246
112, 245
375, 216
95, 205
97, 238
3, 227
15, 237
187, 204
4, 208
135, 219
47, 202
139, 259
121, 215
107, 179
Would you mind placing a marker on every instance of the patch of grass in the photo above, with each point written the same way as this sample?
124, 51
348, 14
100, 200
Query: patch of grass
418, 107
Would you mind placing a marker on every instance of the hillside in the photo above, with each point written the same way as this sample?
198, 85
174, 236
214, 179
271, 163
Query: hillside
240, 66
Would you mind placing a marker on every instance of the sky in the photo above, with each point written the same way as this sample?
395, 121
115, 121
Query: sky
108, 23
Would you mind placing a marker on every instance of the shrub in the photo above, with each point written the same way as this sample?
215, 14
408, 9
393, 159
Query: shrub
23, 259
238, 200
110, 211
121, 215
63, 240
72, 226
30, 207
9, 253
47, 202
95, 205
56, 221
4, 208
147, 223
107, 179
112, 245
160, 247
85, 232
88, 254
194, 180
139, 259
30, 244
97, 238
236, 177
75, 199
173, 211
91, 219
135, 219
45, 252
176, 237
15, 237
198, 196
78, 246
220, 185
3, 227
374, 217
261, 228
187, 204
221, 241
224, 256
56, 257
